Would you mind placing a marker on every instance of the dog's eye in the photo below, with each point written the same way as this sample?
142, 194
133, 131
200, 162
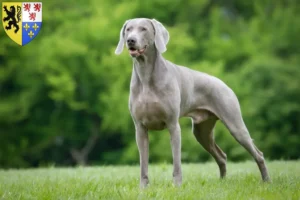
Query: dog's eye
143, 29
128, 29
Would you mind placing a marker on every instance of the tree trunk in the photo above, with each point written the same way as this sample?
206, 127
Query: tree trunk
80, 156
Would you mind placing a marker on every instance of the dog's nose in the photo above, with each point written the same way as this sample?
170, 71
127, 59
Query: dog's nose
131, 41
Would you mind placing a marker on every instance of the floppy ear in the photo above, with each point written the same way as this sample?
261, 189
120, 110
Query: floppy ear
161, 36
121, 43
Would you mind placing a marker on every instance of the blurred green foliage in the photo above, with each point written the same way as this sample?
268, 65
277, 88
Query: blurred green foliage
64, 96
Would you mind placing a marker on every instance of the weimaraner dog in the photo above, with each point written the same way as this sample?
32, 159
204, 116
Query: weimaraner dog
162, 92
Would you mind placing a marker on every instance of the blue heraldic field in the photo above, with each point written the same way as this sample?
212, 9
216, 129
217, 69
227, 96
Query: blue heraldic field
30, 31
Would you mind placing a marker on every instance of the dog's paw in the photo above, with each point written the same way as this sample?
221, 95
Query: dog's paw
144, 183
177, 181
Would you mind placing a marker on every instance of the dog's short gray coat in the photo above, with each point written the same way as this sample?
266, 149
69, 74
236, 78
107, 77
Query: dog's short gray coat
162, 92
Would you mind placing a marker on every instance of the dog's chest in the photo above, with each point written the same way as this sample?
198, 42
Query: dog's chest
147, 108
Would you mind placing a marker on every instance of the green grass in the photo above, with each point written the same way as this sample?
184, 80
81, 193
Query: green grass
200, 181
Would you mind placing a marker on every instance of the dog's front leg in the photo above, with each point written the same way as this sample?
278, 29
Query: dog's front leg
142, 141
175, 133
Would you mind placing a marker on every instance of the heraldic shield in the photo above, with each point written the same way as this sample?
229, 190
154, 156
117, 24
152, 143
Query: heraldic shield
22, 21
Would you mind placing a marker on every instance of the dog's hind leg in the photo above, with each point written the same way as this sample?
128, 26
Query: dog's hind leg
240, 132
231, 116
204, 134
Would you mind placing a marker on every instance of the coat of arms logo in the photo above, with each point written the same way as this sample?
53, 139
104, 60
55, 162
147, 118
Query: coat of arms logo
22, 21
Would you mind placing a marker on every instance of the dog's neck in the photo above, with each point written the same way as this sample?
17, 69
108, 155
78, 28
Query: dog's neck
145, 64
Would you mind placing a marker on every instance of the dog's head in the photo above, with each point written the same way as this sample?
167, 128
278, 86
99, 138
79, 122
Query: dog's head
140, 34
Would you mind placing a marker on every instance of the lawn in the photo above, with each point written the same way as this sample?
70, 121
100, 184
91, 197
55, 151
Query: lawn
200, 181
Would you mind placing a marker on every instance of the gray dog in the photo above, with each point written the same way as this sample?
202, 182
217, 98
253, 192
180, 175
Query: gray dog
162, 92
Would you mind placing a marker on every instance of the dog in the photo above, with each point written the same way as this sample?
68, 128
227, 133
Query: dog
162, 92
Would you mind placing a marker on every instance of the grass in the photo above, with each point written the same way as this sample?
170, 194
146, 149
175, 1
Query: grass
200, 181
